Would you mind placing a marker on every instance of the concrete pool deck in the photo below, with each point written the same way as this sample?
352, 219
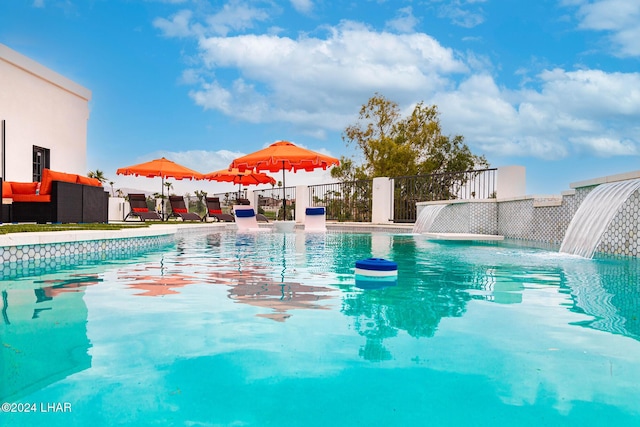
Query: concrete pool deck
52, 237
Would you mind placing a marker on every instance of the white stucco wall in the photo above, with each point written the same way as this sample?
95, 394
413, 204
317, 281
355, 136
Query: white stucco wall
42, 108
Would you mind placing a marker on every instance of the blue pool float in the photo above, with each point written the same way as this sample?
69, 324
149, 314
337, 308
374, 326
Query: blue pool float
376, 273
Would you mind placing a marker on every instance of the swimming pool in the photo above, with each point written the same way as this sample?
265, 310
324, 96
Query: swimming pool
270, 329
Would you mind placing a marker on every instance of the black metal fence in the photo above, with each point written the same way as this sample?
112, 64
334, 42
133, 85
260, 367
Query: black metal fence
353, 201
229, 198
408, 190
269, 202
344, 201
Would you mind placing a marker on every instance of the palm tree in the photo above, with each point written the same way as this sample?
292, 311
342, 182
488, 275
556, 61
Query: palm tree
169, 186
164, 205
111, 184
97, 174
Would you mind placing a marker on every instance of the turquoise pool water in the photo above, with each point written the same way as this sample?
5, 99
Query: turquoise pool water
270, 329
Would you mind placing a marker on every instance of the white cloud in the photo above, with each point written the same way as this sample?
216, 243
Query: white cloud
620, 18
404, 22
603, 146
178, 26
463, 13
580, 111
302, 6
233, 16
314, 81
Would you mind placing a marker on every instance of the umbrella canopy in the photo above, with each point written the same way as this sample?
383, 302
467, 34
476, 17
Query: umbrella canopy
234, 175
284, 156
163, 168
247, 177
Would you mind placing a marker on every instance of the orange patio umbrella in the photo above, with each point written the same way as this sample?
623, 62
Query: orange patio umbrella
163, 168
234, 175
284, 156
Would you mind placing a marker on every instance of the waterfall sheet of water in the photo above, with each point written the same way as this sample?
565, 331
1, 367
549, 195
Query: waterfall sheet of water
427, 216
594, 216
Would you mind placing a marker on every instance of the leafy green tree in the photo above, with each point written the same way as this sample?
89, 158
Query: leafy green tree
394, 146
348, 171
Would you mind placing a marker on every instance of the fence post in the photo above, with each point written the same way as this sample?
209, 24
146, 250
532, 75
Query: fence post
252, 198
511, 182
302, 202
382, 203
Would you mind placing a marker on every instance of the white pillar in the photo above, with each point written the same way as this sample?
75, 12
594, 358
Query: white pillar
382, 204
302, 202
252, 199
511, 182
118, 208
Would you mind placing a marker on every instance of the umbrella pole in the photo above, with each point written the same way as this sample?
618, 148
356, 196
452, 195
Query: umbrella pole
162, 198
284, 196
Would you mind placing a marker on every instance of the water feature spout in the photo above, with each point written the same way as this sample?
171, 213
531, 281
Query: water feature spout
426, 218
594, 215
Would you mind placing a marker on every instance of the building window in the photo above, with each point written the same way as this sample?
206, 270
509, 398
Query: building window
40, 161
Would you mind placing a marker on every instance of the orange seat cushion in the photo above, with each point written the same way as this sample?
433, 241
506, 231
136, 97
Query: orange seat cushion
31, 198
180, 210
24, 188
141, 209
48, 176
6, 190
88, 181
215, 211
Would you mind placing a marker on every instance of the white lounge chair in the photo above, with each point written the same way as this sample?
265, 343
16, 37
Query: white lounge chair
246, 218
315, 219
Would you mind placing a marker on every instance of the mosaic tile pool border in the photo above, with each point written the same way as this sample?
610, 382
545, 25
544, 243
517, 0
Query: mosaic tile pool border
22, 260
527, 220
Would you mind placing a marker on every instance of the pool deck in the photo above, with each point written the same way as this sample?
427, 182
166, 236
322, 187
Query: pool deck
52, 237
463, 236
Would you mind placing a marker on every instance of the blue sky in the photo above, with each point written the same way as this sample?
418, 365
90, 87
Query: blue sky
553, 85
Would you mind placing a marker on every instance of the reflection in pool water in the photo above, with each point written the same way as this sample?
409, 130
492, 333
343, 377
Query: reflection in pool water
270, 329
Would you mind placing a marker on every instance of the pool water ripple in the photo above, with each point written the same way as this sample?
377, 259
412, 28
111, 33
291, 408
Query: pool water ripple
270, 329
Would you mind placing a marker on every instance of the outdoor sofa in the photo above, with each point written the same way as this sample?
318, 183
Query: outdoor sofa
58, 198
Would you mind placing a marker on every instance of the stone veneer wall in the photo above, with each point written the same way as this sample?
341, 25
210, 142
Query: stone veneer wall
529, 220
472, 217
537, 220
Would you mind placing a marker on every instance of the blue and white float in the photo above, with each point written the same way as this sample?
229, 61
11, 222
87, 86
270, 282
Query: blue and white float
376, 273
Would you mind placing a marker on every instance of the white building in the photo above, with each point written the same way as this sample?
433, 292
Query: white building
45, 119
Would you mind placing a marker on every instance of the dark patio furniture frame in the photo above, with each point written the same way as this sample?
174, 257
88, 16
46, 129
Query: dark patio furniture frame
139, 201
177, 202
213, 207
